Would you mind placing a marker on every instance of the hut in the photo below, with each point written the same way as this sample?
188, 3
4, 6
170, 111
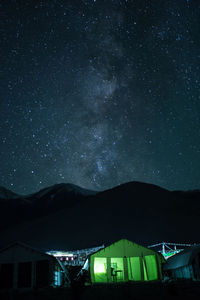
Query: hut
123, 261
23, 267
184, 265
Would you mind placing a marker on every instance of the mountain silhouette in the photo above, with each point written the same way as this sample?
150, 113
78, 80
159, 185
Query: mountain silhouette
18, 208
68, 217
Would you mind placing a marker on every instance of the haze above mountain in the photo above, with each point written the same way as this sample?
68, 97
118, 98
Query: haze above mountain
65, 216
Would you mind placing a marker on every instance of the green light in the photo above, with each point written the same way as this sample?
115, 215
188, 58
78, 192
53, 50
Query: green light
125, 261
171, 253
99, 267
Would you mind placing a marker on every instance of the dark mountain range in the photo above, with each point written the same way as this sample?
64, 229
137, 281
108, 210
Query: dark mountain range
17, 208
68, 217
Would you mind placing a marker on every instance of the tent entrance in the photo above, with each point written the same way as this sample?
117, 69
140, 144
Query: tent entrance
117, 269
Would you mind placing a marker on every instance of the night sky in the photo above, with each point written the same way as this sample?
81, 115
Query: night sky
99, 93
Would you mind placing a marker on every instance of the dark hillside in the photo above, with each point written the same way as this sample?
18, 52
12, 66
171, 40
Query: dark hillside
141, 212
18, 209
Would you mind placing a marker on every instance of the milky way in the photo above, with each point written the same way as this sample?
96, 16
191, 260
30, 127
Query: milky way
98, 93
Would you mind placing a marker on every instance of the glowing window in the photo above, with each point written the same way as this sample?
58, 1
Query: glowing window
100, 269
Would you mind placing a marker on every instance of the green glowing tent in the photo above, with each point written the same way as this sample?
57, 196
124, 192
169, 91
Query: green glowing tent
125, 261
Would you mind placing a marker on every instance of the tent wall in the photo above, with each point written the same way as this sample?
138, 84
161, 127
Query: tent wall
26, 274
183, 273
119, 269
184, 265
191, 271
23, 267
125, 261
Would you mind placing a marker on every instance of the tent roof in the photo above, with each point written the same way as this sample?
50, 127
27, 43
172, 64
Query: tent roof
27, 247
125, 248
182, 258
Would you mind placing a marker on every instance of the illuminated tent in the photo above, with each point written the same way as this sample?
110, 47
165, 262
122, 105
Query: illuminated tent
124, 261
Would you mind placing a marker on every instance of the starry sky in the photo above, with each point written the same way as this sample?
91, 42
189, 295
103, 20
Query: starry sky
99, 92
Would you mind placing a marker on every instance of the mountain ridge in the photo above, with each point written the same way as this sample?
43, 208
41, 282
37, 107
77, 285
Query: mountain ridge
6, 193
142, 212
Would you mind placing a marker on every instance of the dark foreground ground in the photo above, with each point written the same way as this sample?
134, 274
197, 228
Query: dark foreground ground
172, 290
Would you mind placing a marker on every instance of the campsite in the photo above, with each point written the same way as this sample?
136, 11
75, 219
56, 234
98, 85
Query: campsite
106, 260
122, 270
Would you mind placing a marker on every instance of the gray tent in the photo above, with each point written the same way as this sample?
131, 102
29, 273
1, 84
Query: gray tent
22, 267
184, 265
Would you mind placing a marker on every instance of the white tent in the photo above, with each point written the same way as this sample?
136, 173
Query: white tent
23, 267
